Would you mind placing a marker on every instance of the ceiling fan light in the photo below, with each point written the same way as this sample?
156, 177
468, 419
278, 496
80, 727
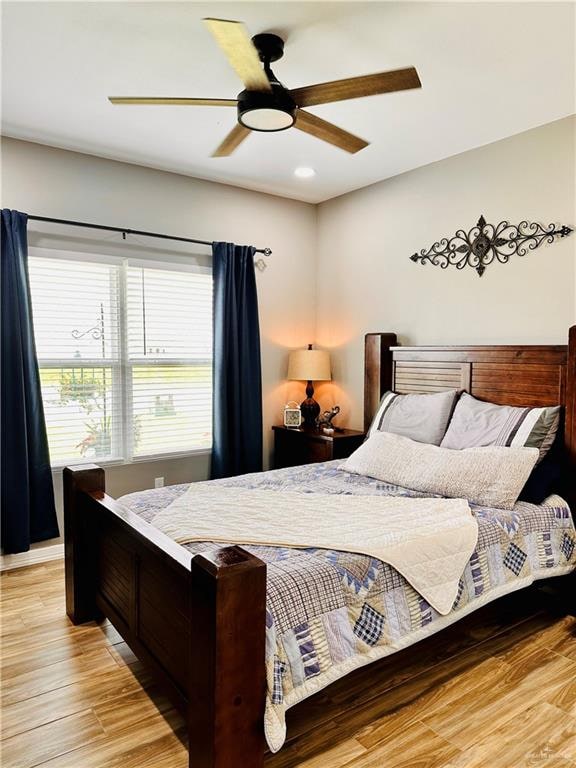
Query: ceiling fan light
264, 111
267, 119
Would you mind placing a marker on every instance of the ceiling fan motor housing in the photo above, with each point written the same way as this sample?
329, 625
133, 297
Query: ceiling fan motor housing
267, 111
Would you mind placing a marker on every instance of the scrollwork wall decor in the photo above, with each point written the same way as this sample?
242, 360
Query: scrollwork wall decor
485, 243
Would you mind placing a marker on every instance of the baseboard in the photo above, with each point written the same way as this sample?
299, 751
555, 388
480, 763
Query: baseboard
33, 556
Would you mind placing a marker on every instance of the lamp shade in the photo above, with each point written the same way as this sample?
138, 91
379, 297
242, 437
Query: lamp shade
309, 365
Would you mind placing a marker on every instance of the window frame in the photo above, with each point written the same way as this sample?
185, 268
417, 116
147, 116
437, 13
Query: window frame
122, 366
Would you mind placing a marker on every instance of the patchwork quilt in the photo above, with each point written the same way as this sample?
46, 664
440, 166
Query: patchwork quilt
429, 540
329, 612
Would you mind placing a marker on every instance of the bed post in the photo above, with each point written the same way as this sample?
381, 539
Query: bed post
80, 560
227, 691
377, 371
570, 417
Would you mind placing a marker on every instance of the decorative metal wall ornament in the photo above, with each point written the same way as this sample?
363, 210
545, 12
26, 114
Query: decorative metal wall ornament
485, 243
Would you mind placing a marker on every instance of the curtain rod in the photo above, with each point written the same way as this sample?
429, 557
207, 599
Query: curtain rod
126, 231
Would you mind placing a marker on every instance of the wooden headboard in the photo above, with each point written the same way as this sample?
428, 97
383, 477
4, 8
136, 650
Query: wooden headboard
509, 375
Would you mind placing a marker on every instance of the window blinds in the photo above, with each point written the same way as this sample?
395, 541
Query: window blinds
125, 356
169, 354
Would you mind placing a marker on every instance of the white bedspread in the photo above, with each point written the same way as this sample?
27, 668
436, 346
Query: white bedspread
429, 541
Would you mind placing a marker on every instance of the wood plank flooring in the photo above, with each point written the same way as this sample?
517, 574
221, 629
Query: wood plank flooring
496, 691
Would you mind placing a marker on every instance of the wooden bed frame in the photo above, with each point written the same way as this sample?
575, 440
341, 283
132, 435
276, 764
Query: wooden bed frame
199, 621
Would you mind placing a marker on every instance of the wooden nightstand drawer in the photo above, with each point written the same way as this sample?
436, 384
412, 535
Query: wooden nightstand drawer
305, 446
316, 450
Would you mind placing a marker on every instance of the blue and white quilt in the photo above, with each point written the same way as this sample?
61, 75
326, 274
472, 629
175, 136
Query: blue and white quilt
329, 612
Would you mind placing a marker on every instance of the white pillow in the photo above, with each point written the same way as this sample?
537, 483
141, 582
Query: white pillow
492, 476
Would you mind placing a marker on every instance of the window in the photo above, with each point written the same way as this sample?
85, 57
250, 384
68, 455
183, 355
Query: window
125, 355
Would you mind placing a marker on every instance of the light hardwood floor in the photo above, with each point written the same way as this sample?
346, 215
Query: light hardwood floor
497, 691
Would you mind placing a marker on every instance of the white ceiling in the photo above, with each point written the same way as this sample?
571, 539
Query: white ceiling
488, 70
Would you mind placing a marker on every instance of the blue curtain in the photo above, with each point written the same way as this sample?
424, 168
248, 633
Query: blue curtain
27, 495
237, 376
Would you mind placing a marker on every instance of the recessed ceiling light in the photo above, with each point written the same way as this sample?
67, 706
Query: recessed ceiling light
304, 173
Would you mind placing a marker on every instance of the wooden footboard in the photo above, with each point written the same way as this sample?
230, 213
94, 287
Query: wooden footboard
198, 622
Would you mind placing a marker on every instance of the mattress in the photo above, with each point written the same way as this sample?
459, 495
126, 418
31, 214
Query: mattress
329, 612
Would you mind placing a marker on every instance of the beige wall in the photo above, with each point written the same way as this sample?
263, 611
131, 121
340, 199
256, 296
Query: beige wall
366, 281
50, 182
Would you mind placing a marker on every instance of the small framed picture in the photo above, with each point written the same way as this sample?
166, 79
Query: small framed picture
292, 415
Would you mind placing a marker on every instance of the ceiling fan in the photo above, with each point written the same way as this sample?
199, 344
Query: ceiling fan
266, 105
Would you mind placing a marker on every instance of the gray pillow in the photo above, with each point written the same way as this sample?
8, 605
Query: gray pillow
423, 418
477, 423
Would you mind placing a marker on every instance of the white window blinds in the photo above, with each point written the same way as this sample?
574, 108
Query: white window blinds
125, 356
169, 353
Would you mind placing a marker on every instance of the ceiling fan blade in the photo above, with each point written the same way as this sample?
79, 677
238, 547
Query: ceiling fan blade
356, 87
234, 41
232, 141
169, 100
321, 129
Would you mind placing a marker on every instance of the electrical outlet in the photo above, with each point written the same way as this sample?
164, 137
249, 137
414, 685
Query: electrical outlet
158, 482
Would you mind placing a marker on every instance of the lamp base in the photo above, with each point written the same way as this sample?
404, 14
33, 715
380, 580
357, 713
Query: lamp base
310, 411
309, 408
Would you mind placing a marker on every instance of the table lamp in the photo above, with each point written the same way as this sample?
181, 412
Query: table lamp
309, 365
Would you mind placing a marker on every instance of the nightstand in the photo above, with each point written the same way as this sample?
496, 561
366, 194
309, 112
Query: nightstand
308, 446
